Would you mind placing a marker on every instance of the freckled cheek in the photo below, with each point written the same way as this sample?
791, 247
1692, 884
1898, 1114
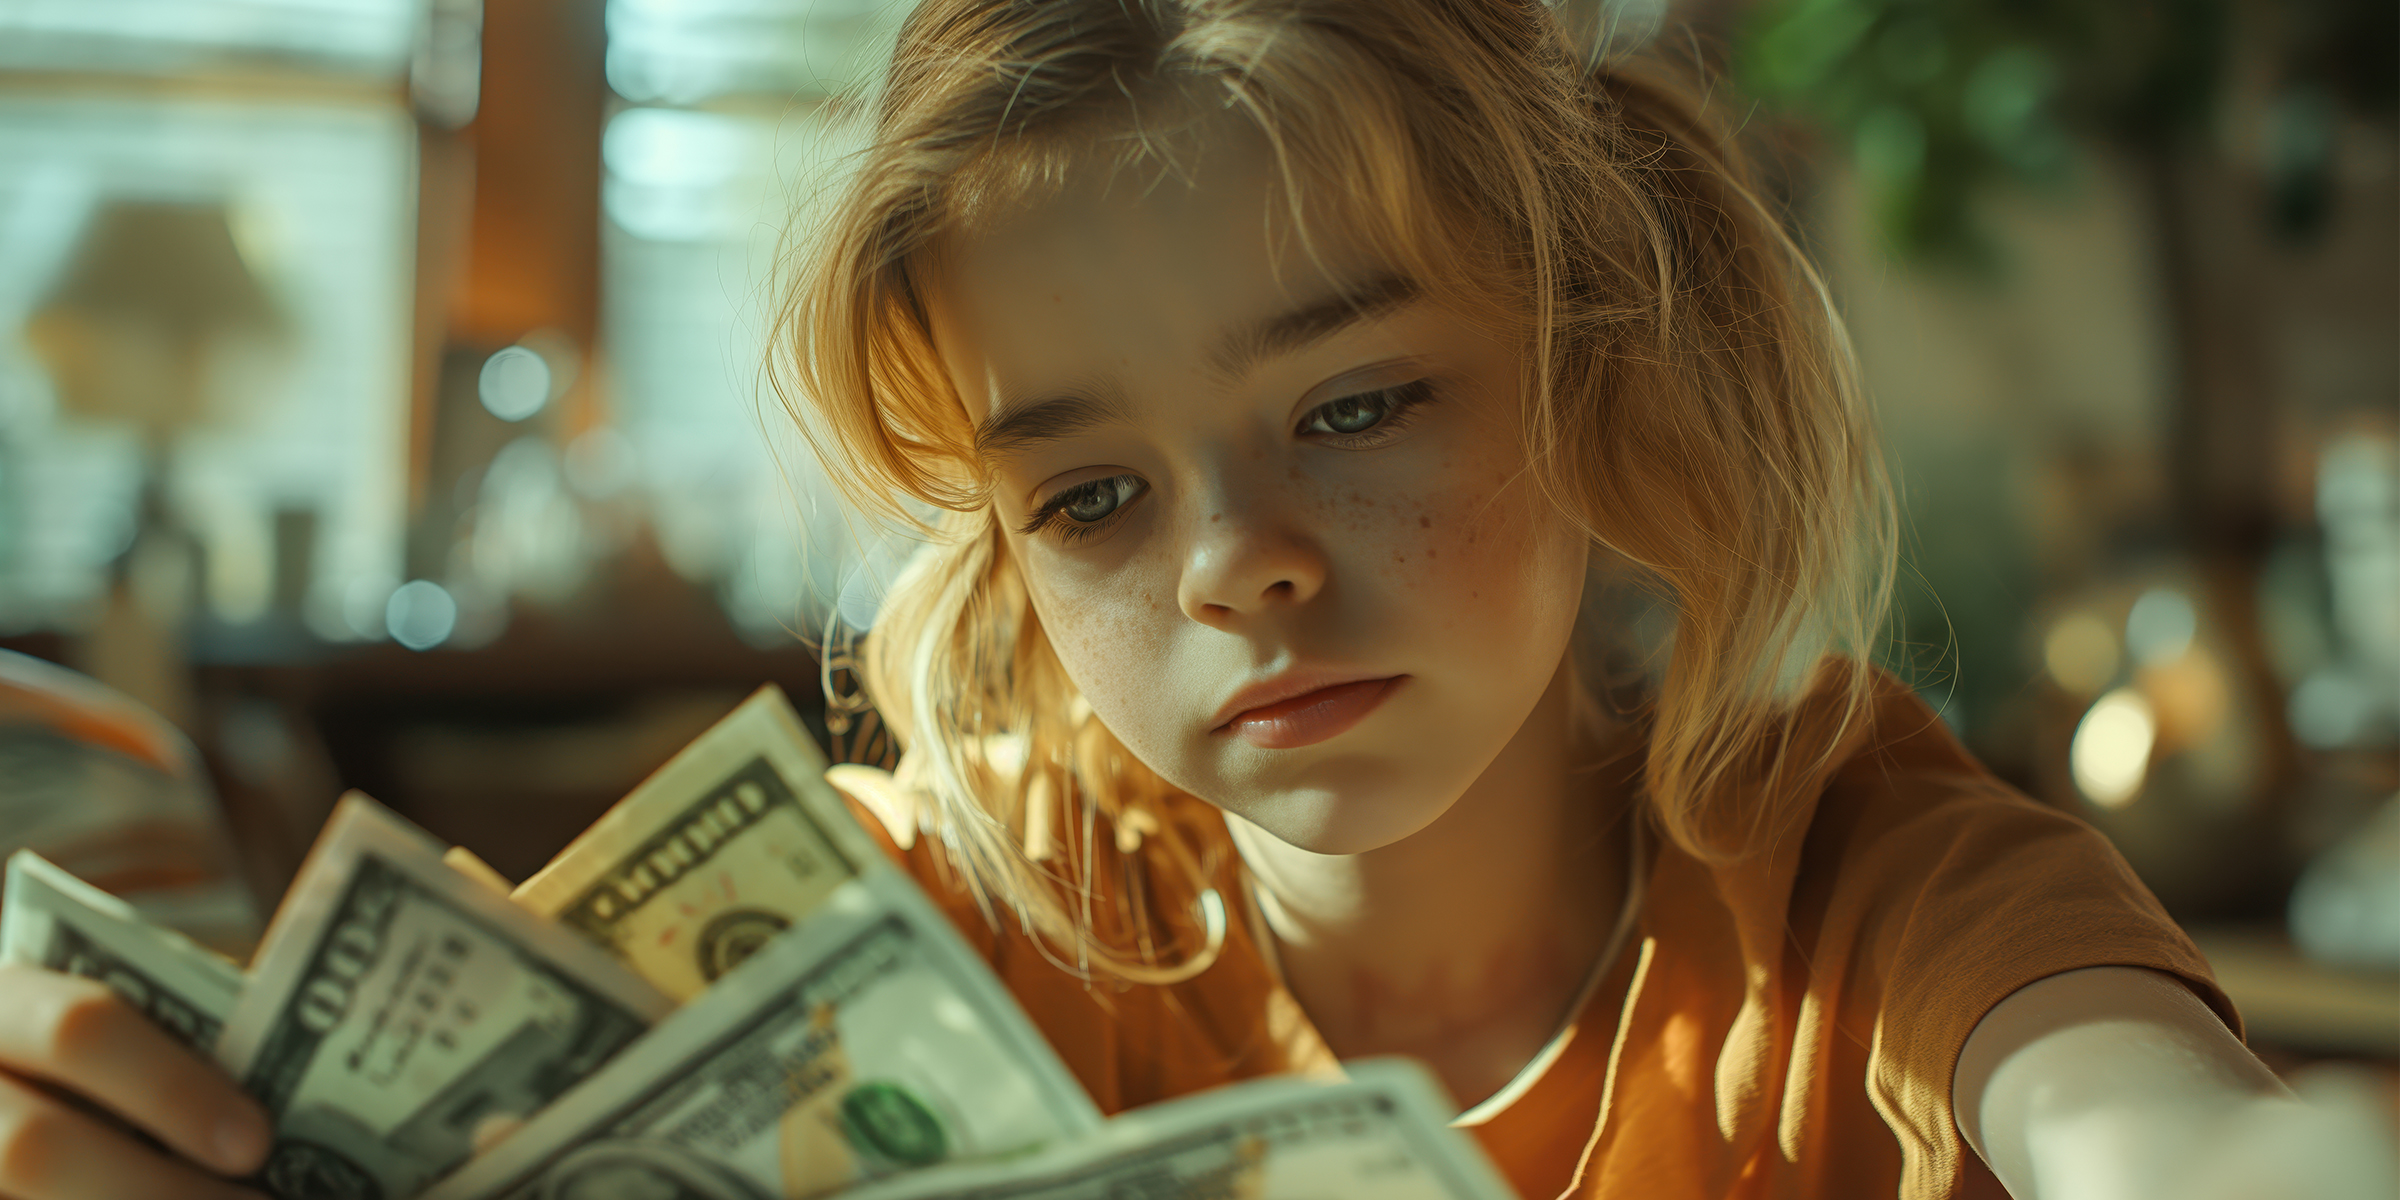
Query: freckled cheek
1110, 635
1452, 572
1463, 539
1479, 555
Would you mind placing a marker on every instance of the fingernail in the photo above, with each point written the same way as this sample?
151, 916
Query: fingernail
241, 1142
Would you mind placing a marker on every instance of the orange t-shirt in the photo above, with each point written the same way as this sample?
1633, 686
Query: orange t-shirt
1789, 1023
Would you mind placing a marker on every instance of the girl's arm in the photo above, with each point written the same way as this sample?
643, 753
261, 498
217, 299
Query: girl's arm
2118, 1083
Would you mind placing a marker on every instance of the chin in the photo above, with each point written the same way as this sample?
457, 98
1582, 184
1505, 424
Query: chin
1341, 824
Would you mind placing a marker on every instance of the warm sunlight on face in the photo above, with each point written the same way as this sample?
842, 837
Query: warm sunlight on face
1231, 476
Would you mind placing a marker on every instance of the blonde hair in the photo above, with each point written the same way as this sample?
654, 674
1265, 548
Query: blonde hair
1689, 395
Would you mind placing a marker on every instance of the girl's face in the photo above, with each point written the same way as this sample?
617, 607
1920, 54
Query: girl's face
1233, 476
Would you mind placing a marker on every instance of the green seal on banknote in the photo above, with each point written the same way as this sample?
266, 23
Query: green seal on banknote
299, 1169
886, 1121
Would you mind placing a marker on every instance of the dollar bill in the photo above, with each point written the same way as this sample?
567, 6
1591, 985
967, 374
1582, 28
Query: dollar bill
867, 1042
1384, 1132
400, 1013
467, 863
49, 918
736, 839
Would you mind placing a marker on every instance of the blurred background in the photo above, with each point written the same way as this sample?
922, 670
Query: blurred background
381, 405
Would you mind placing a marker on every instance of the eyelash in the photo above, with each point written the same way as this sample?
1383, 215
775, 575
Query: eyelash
1051, 518
1401, 403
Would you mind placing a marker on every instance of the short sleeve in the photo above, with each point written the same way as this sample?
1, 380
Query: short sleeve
1978, 891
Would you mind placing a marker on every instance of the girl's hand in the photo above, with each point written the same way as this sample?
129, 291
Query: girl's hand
69, 1048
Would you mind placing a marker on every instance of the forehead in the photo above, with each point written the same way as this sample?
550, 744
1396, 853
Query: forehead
1131, 269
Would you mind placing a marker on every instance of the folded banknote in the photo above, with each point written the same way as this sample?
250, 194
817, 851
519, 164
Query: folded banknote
734, 840
1380, 1134
51, 919
867, 1041
400, 1014
415, 1029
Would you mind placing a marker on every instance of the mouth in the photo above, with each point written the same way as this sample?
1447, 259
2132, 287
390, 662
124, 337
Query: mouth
1310, 717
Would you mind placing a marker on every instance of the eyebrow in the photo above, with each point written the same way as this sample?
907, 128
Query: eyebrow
1244, 349
1016, 428
1019, 428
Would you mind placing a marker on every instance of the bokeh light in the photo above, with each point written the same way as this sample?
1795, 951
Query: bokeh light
2080, 652
420, 614
2331, 708
2346, 908
2190, 696
2160, 626
515, 383
2111, 753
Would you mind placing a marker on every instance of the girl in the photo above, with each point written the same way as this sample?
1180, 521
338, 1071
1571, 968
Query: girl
1306, 383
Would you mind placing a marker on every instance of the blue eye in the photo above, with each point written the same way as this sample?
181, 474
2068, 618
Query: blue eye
1369, 416
1353, 414
1083, 510
1094, 501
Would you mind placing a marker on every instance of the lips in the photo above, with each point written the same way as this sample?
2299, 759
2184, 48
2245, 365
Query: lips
1300, 710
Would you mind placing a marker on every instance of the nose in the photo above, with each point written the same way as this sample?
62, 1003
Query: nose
1241, 567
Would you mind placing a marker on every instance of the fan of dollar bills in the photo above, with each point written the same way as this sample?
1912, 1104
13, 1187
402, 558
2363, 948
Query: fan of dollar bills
723, 990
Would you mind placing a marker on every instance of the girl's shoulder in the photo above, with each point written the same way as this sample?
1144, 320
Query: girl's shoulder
1915, 893
1910, 822
1935, 873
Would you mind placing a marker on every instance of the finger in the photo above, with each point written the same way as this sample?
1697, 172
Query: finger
80, 1035
51, 1152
